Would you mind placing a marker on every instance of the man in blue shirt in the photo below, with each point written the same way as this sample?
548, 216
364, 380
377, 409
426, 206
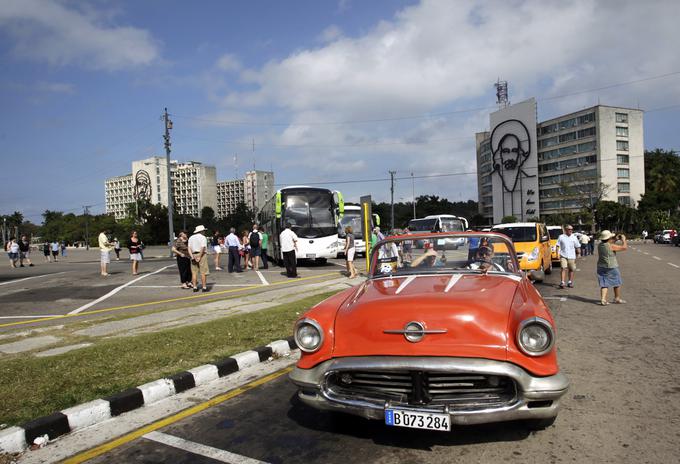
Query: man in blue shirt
569, 248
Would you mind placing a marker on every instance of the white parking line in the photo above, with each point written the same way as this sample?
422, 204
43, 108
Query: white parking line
32, 277
177, 286
656, 258
199, 449
645, 252
116, 290
674, 265
561, 298
262, 279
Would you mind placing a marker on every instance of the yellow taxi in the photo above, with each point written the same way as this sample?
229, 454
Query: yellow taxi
532, 244
555, 232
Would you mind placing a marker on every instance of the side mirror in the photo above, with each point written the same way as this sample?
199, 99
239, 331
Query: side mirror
536, 276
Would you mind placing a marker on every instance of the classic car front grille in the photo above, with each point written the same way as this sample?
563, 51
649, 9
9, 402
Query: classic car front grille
461, 391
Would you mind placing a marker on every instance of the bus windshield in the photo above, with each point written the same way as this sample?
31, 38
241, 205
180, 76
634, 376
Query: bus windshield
422, 225
353, 220
310, 214
452, 225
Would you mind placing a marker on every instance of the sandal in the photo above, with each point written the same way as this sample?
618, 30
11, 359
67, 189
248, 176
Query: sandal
620, 301
604, 302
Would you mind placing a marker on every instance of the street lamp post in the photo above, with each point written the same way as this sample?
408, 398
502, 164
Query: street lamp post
168, 126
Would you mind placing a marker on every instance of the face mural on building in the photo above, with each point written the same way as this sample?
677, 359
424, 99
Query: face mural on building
142, 186
511, 147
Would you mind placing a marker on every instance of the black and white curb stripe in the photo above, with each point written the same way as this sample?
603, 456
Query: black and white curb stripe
16, 439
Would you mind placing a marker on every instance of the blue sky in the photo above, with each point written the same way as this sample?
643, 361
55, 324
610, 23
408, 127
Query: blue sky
328, 90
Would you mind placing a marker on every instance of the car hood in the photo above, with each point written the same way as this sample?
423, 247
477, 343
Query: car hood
473, 311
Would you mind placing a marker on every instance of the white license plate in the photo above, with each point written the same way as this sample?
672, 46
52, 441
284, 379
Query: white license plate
417, 420
311, 256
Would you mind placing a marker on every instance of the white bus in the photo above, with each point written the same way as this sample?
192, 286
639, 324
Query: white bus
311, 213
352, 218
441, 223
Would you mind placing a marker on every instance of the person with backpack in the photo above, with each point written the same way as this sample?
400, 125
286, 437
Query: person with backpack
255, 240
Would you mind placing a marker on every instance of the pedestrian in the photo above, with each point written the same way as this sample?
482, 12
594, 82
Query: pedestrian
24, 251
591, 244
181, 251
569, 247
349, 252
584, 244
135, 247
216, 245
116, 248
263, 247
46, 251
63, 249
644, 236
12, 248
233, 245
198, 247
255, 242
288, 241
608, 274
54, 246
245, 243
105, 248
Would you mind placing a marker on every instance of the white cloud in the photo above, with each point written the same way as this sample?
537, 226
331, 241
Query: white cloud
56, 87
51, 32
229, 62
331, 33
437, 56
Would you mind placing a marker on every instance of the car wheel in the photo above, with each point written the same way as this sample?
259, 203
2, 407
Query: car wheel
540, 424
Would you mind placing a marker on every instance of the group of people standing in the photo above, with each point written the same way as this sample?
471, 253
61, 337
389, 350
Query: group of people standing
250, 248
19, 251
135, 247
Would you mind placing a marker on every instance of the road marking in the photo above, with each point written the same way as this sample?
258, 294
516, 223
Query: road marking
674, 265
262, 279
106, 447
177, 286
561, 298
32, 277
27, 317
208, 298
199, 449
116, 290
338, 264
656, 258
645, 252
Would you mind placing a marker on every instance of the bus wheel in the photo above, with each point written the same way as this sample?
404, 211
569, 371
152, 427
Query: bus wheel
321, 261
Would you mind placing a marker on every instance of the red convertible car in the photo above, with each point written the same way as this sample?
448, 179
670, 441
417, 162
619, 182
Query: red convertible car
434, 337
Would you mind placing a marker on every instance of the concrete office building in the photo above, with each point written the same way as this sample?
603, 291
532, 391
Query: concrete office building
229, 195
562, 165
259, 187
119, 192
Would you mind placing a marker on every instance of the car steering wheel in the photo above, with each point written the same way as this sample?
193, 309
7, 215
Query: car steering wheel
476, 264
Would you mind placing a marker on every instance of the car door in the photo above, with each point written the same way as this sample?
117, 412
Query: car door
544, 238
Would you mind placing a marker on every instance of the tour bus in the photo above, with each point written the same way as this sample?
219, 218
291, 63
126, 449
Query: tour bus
352, 218
311, 213
441, 223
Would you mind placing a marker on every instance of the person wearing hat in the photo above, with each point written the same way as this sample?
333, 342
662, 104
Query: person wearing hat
608, 274
198, 247
570, 247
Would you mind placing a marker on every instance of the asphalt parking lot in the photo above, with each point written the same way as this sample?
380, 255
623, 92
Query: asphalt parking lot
623, 404
70, 289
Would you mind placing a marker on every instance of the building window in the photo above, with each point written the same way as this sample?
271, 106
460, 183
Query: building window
567, 137
568, 123
586, 132
622, 117
623, 187
623, 173
622, 159
621, 131
624, 201
586, 118
622, 145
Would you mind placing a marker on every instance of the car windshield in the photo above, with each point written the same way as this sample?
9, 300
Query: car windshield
353, 220
443, 253
555, 233
518, 233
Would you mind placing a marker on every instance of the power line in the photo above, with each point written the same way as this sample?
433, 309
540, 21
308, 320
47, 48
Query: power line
386, 179
421, 116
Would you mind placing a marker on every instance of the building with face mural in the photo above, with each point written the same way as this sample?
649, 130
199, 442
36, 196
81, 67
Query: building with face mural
531, 169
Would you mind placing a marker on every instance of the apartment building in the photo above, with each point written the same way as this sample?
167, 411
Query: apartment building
119, 193
580, 155
229, 194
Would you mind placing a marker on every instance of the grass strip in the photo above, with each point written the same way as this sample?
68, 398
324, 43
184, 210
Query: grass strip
33, 387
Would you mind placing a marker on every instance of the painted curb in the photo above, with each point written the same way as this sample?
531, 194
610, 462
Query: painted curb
16, 439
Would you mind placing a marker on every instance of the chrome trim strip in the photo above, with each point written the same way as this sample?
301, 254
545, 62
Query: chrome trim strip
415, 332
453, 281
403, 285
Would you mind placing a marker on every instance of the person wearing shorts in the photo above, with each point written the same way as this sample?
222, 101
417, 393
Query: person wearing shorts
135, 248
56, 247
104, 249
350, 250
24, 251
569, 248
198, 247
216, 245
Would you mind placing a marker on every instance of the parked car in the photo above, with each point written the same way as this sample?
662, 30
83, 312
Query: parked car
415, 346
666, 236
657, 236
555, 232
532, 244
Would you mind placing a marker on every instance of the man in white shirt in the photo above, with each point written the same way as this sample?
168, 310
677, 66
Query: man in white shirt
288, 241
569, 248
233, 244
198, 247
104, 249
584, 239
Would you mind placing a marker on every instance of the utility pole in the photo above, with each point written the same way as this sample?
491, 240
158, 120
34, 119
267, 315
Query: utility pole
413, 194
168, 126
392, 173
86, 212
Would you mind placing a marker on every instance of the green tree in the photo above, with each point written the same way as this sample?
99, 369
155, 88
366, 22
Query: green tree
508, 219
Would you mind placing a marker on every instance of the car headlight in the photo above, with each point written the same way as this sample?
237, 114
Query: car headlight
535, 336
308, 335
533, 256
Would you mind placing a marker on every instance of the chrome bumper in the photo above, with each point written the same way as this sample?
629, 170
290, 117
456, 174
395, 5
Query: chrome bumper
537, 397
